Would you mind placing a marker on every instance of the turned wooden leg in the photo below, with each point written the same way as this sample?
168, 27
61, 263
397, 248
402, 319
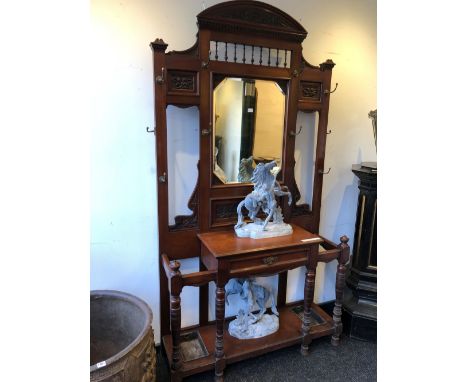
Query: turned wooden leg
220, 361
340, 281
309, 287
175, 331
175, 310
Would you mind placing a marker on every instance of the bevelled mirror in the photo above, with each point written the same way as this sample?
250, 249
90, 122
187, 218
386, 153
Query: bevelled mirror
248, 120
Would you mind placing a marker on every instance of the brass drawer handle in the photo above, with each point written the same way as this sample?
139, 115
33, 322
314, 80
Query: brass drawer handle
270, 260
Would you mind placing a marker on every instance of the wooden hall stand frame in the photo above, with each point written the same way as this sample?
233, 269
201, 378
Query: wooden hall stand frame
187, 78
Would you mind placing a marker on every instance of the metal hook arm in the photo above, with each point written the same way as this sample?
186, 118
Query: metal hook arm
330, 92
205, 64
161, 79
324, 173
293, 133
329, 132
150, 131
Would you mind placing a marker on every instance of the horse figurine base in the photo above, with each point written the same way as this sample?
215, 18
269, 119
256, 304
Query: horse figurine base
256, 231
267, 325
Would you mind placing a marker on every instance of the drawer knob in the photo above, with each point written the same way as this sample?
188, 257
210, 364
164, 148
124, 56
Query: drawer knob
270, 260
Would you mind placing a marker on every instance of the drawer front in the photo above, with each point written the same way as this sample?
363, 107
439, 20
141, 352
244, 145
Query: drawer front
263, 262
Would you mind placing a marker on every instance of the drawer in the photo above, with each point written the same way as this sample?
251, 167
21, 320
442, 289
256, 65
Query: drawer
262, 262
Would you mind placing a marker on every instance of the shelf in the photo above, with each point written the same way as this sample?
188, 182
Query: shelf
289, 333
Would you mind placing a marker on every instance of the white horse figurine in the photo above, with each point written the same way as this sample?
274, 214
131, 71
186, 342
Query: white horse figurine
263, 196
250, 292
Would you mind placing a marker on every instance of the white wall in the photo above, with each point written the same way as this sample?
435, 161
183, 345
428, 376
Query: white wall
124, 243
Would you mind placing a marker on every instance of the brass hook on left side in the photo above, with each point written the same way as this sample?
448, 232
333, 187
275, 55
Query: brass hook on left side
161, 79
294, 133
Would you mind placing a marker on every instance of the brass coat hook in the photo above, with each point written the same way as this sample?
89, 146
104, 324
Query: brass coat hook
205, 64
330, 92
325, 173
162, 178
160, 79
293, 133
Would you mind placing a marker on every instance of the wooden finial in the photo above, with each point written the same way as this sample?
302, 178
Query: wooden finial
158, 45
344, 239
327, 65
175, 265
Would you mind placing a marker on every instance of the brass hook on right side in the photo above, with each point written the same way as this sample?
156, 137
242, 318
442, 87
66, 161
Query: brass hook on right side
330, 92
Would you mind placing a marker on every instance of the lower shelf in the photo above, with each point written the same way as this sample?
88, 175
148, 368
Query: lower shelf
289, 333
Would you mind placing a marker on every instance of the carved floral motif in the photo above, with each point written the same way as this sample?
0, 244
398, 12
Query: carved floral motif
226, 210
255, 16
182, 82
311, 90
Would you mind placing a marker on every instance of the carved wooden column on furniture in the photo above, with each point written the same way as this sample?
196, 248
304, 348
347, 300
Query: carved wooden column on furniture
203, 299
309, 287
176, 289
220, 361
325, 67
340, 278
159, 47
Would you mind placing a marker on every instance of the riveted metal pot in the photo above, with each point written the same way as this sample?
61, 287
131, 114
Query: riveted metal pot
122, 341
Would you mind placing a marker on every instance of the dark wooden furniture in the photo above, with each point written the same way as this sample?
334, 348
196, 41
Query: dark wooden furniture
252, 40
360, 298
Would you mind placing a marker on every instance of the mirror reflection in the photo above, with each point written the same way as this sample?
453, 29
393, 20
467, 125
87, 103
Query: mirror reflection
249, 124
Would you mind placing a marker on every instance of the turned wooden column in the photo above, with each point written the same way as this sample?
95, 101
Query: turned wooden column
309, 288
175, 309
308, 299
222, 278
340, 281
220, 360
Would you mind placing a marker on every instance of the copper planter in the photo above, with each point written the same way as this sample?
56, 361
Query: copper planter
122, 342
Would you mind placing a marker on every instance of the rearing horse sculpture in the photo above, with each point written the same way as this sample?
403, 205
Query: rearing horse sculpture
251, 292
266, 188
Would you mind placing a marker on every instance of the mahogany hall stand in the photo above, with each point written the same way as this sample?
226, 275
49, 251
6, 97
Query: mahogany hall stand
188, 78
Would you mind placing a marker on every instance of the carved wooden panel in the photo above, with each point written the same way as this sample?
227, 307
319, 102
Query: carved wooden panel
224, 212
179, 82
251, 18
311, 91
